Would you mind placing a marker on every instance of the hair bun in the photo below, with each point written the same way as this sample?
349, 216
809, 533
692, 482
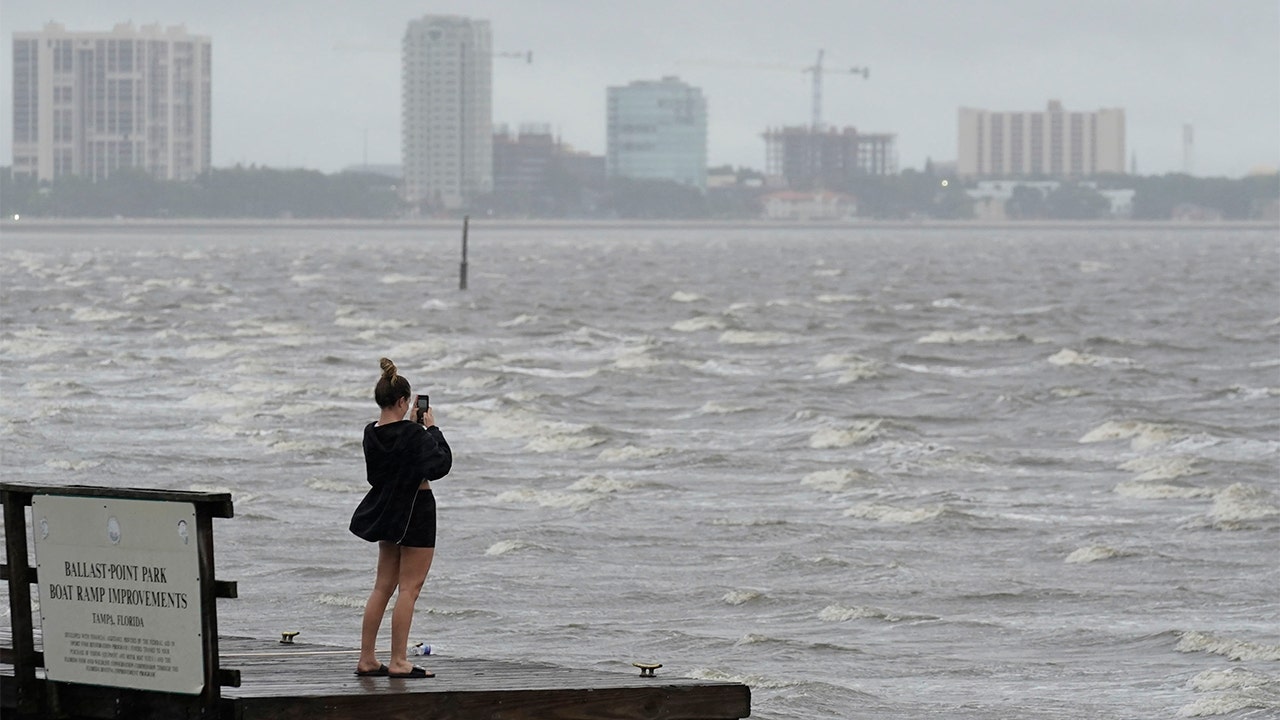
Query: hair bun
388, 368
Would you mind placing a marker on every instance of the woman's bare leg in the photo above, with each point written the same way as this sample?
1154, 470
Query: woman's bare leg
414, 564
384, 584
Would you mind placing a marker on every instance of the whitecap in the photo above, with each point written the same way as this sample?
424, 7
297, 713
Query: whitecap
859, 433
1237, 504
630, 452
550, 498
1067, 356
72, 465
553, 442
1143, 434
1159, 491
855, 367
599, 484
980, 335
893, 514
503, 547
336, 486
681, 296
844, 613
833, 480
345, 601
747, 337
519, 320
397, 279
695, 324
96, 314
1092, 553
1231, 679
712, 407
827, 299
754, 681
1232, 648
1161, 468
741, 597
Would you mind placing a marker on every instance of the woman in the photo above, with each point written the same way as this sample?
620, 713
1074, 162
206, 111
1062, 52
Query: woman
398, 513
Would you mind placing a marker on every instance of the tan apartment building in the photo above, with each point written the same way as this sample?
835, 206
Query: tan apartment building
1050, 144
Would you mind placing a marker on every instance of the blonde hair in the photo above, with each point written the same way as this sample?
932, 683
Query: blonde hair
391, 386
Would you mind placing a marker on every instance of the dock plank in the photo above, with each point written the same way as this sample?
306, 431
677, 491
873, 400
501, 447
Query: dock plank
317, 682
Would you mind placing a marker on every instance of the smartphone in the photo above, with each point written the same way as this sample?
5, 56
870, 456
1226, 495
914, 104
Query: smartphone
424, 402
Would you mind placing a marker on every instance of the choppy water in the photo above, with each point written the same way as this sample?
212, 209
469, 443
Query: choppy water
871, 473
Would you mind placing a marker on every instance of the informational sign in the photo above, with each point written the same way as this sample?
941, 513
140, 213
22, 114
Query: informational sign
119, 592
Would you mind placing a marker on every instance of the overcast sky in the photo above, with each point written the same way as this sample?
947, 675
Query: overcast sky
313, 83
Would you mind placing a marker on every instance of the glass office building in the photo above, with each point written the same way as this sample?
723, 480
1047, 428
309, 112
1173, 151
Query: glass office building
657, 130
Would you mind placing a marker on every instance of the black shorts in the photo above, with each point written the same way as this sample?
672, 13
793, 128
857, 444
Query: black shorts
422, 522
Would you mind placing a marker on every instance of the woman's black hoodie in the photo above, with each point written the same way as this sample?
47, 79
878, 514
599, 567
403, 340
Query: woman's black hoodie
397, 457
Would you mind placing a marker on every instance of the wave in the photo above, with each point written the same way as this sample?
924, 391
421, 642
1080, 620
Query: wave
345, 601
828, 299
748, 337
980, 335
576, 501
95, 315
1067, 357
504, 547
1161, 468
712, 407
695, 324
859, 433
854, 367
741, 597
335, 486
1232, 648
892, 514
1160, 491
1093, 553
842, 613
834, 480
72, 465
1143, 434
1238, 504
630, 452
600, 484
686, 297
754, 681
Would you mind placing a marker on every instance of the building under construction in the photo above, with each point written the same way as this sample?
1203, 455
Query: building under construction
802, 158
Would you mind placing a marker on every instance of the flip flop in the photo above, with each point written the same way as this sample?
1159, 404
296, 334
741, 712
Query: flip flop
416, 672
382, 671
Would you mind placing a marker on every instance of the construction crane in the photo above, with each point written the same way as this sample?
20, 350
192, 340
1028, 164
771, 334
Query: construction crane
818, 71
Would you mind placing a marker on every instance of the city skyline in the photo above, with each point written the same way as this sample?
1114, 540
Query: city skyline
297, 88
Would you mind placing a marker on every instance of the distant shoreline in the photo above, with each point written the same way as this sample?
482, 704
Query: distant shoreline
38, 225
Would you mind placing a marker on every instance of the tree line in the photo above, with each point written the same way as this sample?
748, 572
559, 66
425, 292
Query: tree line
259, 192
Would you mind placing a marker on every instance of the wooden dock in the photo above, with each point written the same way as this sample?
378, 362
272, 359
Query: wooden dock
235, 678
317, 682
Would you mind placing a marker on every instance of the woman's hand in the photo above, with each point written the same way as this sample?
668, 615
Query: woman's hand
429, 417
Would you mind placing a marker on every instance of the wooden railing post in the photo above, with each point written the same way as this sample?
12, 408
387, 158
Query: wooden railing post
20, 576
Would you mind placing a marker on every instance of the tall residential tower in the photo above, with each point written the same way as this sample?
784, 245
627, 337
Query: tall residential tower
657, 130
91, 103
447, 141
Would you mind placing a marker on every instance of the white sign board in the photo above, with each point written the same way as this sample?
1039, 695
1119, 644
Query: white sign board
119, 592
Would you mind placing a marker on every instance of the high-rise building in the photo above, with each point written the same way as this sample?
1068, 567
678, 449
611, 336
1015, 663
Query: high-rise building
1050, 144
447, 137
657, 130
91, 103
